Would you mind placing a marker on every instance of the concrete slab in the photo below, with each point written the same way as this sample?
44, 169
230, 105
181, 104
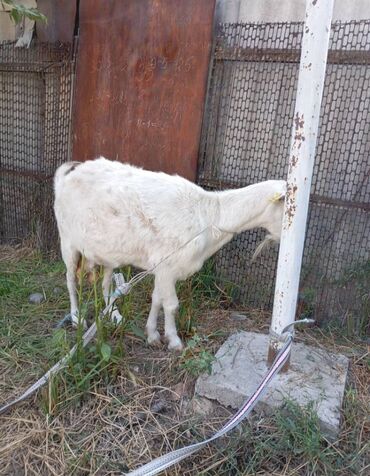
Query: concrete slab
314, 376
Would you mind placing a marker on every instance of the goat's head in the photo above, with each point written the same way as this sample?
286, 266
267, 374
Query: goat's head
273, 215
275, 210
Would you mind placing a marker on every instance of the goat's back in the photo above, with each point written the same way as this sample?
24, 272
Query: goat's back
104, 207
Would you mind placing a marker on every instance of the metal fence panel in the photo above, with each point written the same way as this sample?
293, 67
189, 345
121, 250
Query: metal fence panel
246, 139
35, 118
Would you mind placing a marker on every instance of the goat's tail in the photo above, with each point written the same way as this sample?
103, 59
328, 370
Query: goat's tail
63, 171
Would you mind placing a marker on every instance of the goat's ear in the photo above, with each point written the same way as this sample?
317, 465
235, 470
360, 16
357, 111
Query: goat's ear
277, 197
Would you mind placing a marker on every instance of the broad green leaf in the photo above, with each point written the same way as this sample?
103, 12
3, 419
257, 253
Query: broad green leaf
106, 351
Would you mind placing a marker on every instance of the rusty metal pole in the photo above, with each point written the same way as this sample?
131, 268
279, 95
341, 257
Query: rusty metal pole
315, 44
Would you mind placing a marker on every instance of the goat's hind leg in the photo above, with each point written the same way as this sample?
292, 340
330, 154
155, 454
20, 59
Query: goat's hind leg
115, 315
71, 258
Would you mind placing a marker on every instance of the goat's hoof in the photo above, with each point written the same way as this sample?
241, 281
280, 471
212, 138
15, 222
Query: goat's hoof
175, 344
116, 317
75, 321
154, 339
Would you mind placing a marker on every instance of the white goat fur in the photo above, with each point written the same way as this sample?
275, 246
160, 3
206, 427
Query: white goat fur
115, 214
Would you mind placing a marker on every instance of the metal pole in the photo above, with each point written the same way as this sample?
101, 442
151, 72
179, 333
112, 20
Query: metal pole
301, 159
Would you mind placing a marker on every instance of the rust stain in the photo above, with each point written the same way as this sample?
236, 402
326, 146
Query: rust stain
294, 161
298, 139
291, 205
298, 136
299, 121
26, 173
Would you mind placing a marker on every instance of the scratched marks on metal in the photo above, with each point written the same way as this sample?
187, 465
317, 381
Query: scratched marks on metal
140, 90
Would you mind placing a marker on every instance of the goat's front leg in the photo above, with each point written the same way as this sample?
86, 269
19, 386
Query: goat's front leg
164, 294
115, 315
170, 306
153, 336
170, 303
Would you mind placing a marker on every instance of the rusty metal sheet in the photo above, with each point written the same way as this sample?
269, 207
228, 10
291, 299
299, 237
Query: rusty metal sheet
141, 82
61, 16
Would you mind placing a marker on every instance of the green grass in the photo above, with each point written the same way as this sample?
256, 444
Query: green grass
289, 442
203, 291
195, 358
357, 278
28, 338
30, 342
26, 329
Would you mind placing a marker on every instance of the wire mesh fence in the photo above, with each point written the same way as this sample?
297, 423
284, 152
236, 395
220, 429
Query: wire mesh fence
246, 139
35, 117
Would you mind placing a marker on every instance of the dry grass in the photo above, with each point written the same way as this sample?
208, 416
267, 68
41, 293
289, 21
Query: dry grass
14, 254
139, 405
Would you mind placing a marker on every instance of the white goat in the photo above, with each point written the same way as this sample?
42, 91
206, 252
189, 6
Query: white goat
115, 214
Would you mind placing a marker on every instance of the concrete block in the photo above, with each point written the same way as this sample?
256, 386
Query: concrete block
202, 406
314, 375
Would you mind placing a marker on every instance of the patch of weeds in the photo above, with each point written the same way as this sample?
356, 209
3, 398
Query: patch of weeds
291, 437
306, 303
30, 343
301, 435
195, 358
97, 363
59, 345
93, 366
102, 361
356, 280
199, 293
25, 327
355, 431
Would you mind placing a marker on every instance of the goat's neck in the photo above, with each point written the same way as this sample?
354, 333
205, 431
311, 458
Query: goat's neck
242, 209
